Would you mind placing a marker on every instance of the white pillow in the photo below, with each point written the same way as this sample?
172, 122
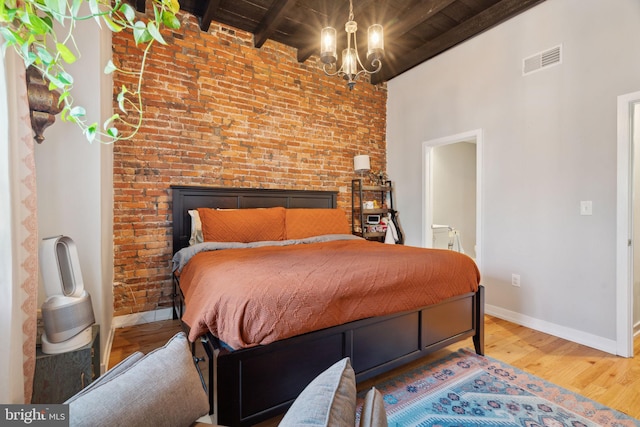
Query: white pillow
196, 228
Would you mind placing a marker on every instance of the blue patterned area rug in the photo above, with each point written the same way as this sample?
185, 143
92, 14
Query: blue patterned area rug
465, 389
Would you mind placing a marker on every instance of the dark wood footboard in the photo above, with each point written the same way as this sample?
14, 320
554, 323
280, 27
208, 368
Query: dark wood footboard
261, 382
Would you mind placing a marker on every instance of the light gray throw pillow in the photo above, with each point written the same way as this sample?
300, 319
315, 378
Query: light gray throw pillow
162, 388
373, 413
125, 364
328, 400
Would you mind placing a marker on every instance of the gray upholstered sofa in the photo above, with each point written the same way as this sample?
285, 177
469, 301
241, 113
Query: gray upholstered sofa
163, 388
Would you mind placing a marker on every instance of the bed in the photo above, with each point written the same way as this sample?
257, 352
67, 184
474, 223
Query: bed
258, 381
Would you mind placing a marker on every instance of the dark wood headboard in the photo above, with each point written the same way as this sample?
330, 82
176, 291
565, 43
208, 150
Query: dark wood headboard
186, 198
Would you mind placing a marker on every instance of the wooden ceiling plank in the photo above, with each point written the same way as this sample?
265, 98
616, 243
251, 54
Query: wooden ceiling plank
410, 26
269, 24
489, 18
208, 15
410, 19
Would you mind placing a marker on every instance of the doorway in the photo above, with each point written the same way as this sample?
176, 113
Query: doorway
451, 216
635, 215
628, 220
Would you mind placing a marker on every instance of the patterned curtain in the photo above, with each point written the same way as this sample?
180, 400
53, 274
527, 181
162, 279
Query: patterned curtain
18, 236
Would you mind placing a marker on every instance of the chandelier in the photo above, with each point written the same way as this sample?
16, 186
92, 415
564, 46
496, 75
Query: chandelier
350, 58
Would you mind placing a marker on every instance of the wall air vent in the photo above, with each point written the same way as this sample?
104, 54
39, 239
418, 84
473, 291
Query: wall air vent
542, 60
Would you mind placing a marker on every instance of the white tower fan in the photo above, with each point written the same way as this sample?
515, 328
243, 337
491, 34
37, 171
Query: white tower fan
67, 312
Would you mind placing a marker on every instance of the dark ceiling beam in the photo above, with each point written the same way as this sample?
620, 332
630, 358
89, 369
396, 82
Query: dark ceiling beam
489, 18
140, 5
411, 18
271, 20
307, 38
209, 13
360, 7
305, 52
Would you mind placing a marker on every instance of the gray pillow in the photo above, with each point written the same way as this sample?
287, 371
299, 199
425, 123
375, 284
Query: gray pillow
162, 388
373, 413
328, 400
116, 370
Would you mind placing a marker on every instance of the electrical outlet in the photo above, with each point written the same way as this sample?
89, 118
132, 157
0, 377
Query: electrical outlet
515, 280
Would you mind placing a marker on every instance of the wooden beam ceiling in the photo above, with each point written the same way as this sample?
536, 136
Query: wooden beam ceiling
415, 30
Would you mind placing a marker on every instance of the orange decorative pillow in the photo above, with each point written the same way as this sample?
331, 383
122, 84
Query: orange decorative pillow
301, 223
242, 225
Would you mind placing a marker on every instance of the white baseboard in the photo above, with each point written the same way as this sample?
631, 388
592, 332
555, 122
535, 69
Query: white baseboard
141, 318
574, 335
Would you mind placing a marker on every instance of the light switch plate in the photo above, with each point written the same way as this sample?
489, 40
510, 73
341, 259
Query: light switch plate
586, 207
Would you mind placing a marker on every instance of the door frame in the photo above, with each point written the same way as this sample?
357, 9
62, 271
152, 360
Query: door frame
427, 182
624, 226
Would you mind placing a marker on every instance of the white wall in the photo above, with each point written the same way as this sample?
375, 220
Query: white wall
549, 142
75, 178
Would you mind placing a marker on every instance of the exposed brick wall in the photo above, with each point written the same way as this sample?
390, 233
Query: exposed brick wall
220, 112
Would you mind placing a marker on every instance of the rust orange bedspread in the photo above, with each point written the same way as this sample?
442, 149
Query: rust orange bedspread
253, 296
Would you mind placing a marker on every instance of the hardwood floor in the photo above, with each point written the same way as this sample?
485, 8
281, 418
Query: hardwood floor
610, 380
144, 338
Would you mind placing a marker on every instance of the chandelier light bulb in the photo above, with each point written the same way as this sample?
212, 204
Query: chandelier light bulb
328, 53
375, 49
349, 63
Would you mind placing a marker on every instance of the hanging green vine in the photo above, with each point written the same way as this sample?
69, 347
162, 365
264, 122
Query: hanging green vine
42, 33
